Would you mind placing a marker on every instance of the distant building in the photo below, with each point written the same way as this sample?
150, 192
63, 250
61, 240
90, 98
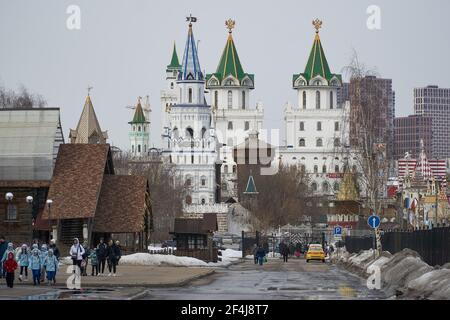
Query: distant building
88, 129
434, 102
139, 132
408, 132
29, 143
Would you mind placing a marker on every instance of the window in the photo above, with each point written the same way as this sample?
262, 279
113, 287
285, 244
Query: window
203, 181
216, 98
134, 128
225, 169
336, 168
325, 187
188, 200
337, 142
188, 182
234, 169
314, 186
324, 169
301, 142
132, 148
230, 99
302, 126
224, 186
336, 186
190, 95
230, 125
139, 128
246, 125
317, 99
319, 126
304, 100
319, 143
171, 85
203, 201
336, 126
354, 168
316, 169
331, 100
243, 99
11, 212
139, 148
302, 168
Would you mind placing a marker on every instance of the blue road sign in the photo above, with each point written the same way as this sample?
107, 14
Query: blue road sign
373, 221
337, 230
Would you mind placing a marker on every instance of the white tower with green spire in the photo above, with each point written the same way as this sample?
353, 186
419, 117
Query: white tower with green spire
169, 96
191, 143
316, 129
139, 132
230, 89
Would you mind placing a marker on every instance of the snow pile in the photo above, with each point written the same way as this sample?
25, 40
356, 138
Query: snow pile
231, 254
147, 259
403, 274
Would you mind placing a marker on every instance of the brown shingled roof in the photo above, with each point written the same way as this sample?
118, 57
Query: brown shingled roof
121, 206
77, 180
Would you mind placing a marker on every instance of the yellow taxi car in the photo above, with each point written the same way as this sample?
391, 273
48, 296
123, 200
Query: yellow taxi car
315, 252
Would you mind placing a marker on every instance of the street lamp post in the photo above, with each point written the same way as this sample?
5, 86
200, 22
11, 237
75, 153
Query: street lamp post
49, 203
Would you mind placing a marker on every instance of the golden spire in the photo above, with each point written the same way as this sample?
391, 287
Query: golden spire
230, 25
317, 24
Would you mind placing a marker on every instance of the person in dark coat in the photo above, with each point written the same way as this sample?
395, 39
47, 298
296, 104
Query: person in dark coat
260, 253
3, 247
284, 250
54, 248
113, 255
101, 256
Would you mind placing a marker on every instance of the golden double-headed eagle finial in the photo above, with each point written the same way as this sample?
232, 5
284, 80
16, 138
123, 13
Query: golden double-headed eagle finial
317, 24
230, 25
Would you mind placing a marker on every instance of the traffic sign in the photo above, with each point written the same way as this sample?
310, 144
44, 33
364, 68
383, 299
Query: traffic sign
337, 230
373, 222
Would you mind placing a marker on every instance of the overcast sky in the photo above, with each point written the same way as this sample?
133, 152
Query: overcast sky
123, 47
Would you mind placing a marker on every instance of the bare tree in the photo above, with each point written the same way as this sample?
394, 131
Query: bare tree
368, 141
167, 192
281, 197
21, 99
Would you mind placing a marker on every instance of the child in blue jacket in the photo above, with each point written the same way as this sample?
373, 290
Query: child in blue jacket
51, 266
35, 265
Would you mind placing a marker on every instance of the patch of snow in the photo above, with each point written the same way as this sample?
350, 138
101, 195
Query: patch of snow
147, 259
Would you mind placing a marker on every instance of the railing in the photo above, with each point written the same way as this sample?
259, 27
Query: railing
166, 251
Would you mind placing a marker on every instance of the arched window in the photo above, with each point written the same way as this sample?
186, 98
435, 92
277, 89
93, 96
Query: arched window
319, 126
132, 148
171, 85
139, 148
216, 98
234, 169
336, 168
203, 201
203, 181
134, 128
188, 181
188, 200
331, 100
145, 148
317, 99
230, 99
304, 100
302, 168
243, 99
324, 169
325, 187
230, 125
314, 186
190, 95
246, 125
139, 128
336, 186
225, 169
319, 142
301, 142
337, 142
316, 169
302, 126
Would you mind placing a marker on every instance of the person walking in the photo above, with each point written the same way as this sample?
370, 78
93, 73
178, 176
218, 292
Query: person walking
3, 247
35, 265
55, 249
76, 253
255, 256
94, 261
85, 261
10, 266
43, 254
285, 252
261, 253
113, 254
51, 266
101, 256
119, 251
23, 258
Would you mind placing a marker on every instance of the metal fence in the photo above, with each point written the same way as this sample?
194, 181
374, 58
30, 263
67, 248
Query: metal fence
432, 245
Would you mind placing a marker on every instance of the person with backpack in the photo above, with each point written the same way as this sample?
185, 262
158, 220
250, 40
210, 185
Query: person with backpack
76, 252
35, 265
51, 266
10, 266
101, 256
23, 257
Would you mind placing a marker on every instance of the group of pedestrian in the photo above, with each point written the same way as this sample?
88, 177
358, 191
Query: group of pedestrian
42, 261
104, 253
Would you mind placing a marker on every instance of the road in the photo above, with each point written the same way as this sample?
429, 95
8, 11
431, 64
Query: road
276, 280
